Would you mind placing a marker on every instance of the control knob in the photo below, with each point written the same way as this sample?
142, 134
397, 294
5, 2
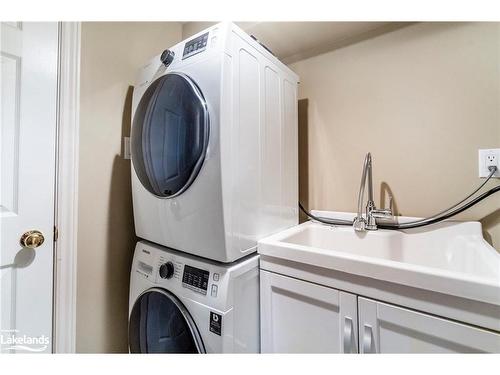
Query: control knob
166, 270
167, 57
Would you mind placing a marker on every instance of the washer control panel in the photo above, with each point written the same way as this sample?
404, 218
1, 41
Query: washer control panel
195, 279
144, 269
194, 46
166, 270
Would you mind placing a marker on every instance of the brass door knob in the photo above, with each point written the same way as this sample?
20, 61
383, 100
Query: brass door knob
32, 239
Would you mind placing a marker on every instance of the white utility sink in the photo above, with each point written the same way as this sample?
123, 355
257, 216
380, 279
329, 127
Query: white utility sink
451, 258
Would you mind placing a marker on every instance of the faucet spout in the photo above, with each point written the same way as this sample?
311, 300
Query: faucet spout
366, 176
368, 222
369, 177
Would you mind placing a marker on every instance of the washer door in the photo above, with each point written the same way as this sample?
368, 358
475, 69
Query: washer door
159, 323
170, 135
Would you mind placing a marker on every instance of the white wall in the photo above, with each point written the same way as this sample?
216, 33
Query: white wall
422, 99
111, 54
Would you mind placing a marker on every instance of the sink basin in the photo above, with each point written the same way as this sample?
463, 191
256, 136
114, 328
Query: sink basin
452, 257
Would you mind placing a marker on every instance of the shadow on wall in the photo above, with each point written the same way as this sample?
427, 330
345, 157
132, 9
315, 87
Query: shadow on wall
303, 124
121, 242
303, 157
385, 194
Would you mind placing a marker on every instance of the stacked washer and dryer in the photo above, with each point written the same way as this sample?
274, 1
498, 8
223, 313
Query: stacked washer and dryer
214, 169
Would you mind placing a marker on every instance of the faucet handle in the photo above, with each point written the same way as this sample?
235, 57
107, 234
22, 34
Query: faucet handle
359, 224
384, 213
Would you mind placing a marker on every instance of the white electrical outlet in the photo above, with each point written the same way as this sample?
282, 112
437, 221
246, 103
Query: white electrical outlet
487, 158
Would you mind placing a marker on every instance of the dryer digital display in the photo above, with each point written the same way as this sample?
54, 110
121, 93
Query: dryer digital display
195, 46
195, 279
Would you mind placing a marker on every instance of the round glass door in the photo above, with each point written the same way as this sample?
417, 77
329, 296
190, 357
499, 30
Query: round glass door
169, 135
159, 323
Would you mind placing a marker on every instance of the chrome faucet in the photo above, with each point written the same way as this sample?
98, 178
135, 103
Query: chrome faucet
369, 222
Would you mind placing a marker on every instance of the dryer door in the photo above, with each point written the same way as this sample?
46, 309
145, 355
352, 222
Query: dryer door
160, 323
170, 135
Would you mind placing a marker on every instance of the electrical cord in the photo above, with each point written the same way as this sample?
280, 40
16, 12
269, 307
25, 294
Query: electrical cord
443, 215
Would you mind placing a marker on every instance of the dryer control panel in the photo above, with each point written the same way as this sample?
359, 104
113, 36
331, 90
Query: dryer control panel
194, 46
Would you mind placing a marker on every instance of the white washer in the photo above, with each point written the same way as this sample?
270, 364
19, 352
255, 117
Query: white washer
184, 304
214, 145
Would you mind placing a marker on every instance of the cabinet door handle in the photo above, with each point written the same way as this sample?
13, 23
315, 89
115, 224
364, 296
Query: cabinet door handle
348, 336
368, 346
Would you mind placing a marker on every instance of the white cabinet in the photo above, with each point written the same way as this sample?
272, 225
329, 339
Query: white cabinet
385, 328
303, 317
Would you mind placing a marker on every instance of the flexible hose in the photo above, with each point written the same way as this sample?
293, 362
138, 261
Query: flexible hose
443, 215
492, 172
325, 220
433, 220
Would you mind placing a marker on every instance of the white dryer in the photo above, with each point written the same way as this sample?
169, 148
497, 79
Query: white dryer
214, 145
184, 304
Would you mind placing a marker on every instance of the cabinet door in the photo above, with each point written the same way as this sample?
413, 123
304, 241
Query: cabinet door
385, 328
302, 317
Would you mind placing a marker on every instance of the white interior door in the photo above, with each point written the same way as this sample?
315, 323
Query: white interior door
302, 317
28, 80
385, 328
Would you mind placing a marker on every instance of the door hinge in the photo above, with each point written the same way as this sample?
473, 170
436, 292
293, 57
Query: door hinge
56, 233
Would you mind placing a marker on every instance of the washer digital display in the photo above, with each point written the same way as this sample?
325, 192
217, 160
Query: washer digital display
195, 279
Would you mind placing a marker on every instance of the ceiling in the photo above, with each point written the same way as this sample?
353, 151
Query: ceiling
294, 41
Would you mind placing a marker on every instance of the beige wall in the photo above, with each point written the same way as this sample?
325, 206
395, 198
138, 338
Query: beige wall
111, 54
423, 100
